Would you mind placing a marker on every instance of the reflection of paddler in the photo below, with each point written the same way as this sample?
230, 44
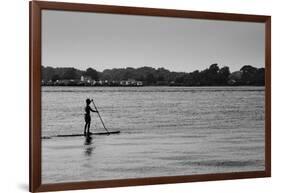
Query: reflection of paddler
87, 115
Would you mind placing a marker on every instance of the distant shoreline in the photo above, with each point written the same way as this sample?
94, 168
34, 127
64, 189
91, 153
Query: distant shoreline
148, 76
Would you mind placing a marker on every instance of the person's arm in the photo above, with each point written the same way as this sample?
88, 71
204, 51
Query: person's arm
93, 110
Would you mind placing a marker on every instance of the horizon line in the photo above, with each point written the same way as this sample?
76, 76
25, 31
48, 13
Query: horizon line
153, 68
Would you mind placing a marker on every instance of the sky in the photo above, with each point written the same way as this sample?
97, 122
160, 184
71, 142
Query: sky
105, 41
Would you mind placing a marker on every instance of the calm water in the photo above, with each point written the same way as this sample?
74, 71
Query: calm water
164, 131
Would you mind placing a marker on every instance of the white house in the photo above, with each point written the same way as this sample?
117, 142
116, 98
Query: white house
87, 79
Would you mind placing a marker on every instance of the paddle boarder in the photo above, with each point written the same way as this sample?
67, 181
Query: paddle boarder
87, 115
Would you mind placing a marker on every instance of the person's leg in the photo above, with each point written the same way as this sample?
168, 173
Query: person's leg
88, 131
85, 127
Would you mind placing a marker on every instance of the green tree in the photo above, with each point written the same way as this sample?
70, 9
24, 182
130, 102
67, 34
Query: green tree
160, 78
223, 75
150, 78
249, 74
92, 73
55, 77
70, 74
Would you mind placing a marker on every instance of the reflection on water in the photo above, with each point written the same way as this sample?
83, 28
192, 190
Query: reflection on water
88, 145
164, 131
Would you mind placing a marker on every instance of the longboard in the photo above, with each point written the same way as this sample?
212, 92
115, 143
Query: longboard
78, 135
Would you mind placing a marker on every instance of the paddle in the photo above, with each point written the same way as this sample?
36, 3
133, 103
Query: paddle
100, 117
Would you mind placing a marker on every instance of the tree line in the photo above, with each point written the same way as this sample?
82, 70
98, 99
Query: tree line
212, 76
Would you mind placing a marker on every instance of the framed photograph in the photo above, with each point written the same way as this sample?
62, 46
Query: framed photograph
126, 96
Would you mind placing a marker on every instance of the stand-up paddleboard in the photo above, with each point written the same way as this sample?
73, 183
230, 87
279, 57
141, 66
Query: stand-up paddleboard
100, 133
80, 135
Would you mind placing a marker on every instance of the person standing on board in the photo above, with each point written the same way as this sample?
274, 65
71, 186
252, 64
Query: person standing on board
88, 109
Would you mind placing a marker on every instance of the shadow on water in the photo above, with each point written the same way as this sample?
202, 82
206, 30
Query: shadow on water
88, 146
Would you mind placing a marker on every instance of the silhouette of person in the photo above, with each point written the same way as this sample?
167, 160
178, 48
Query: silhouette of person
88, 109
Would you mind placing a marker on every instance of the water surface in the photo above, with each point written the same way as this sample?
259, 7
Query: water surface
164, 131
